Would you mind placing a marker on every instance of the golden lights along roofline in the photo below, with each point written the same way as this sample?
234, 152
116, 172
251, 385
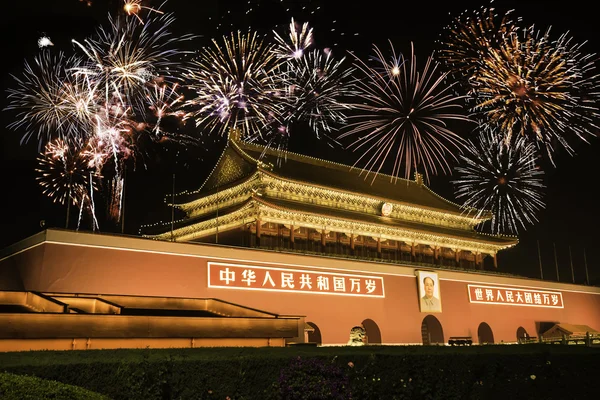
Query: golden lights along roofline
241, 145
232, 138
467, 216
257, 208
256, 182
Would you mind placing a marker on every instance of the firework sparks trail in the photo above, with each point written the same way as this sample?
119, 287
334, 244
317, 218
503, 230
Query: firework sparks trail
404, 117
133, 7
162, 101
93, 208
236, 86
88, 205
501, 179
113, 130
115, 205
299, 41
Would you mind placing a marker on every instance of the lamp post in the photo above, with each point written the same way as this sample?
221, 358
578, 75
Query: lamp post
173, 209
69, 199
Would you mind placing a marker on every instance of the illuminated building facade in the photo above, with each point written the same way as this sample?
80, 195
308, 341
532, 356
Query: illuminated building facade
317, 247
256, 197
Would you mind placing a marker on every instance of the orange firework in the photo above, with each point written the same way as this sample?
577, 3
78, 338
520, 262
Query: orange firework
133, 7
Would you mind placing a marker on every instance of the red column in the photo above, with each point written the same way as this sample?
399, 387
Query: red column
258, 229
292, 236
457, 257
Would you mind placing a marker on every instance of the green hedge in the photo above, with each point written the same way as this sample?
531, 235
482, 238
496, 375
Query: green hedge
19, 387
371, 372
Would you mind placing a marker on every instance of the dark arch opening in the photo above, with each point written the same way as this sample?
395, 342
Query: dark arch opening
373, 332
522, 334
485, 334
314, 335
431, 331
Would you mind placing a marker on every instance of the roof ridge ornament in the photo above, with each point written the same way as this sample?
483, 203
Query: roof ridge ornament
235, 134
419, 178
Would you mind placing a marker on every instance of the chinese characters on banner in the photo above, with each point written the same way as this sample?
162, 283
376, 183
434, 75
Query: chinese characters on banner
514, 296
235, 276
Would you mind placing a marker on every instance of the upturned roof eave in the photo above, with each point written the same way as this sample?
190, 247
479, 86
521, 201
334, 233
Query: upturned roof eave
479, 237
379, 198
184, 200
458, 209
256, 201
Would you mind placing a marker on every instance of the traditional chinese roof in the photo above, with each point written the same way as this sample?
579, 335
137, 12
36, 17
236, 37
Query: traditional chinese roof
241, 159
307, 215
252, 182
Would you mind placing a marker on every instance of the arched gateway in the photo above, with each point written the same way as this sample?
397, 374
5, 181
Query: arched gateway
431, 331
522, 334
373, 332
485, 334
314, 335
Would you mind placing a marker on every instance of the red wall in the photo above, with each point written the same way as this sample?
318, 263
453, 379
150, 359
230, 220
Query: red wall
68, 268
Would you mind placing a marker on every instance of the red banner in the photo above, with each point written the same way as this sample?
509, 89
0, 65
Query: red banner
251, 277
514, 296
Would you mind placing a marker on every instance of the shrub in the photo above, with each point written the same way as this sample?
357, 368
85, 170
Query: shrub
312, 379
20, 387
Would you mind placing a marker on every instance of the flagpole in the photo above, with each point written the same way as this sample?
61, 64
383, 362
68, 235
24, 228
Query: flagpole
173, 209
587, 276
572, 270
540, 259
556, 262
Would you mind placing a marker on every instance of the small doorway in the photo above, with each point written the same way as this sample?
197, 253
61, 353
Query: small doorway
314, 335
522, 335
373, 332
485, 334
431, 331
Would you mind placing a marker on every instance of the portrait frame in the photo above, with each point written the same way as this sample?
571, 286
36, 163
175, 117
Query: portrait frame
426, 304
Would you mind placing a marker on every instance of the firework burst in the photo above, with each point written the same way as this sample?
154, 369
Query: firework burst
103, 103
129, 56
403, 115
316, 86
469, 38
236, 86
524, 82
48, 101
544, 90
502, 179
64, 170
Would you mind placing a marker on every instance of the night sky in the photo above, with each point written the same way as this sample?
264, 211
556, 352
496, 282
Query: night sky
569, 223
